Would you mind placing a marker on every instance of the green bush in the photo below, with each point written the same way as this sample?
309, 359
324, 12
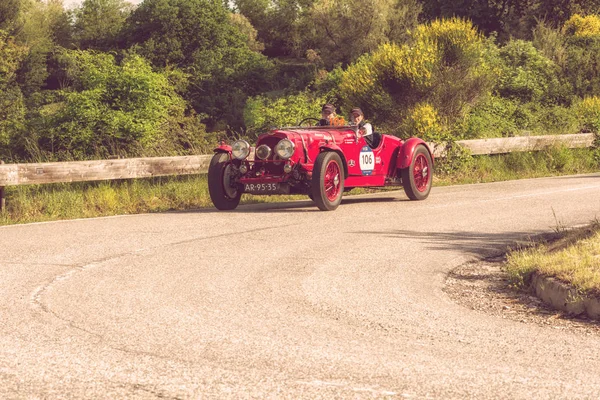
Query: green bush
491, 118
526, 75
112, 109
261, 113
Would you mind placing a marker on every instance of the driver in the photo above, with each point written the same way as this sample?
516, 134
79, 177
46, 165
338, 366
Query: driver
328, 115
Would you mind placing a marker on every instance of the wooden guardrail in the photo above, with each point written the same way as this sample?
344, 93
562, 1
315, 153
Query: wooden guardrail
519, 143
80, 171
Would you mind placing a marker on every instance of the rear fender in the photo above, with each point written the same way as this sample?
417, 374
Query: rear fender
336, 148
405, 156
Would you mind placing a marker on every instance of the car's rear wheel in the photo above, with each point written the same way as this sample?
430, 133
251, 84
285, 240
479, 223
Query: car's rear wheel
328, 181
223, 194
417, 178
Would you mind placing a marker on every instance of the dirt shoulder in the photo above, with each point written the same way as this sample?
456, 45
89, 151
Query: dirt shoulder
484, 286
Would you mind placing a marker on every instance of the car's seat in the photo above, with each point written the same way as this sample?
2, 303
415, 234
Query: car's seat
373, 140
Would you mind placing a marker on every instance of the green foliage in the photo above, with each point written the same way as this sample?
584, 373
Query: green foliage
280, 24
199, 37
9, 11
108, 107
41, 22
373, 22
510, 18
262, 113
12, 108
527, 75
246, 28
98, 23
491, 118
501, 117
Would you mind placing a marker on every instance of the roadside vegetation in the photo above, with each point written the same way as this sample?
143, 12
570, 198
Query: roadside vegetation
166, 77
573, 259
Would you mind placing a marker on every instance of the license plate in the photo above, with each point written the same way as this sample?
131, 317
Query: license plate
261, 188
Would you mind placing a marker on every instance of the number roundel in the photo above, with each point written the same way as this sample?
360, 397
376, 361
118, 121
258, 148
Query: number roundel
366, 160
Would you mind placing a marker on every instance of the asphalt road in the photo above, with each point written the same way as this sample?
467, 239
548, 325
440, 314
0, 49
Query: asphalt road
284, 301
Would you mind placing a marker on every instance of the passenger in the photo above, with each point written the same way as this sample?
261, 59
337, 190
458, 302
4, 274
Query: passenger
358, 118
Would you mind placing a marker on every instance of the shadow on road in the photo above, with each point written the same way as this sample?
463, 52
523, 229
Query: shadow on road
472, 243
289, 206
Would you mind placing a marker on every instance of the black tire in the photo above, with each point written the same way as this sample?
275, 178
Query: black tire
328, 198
223, 198
417, 178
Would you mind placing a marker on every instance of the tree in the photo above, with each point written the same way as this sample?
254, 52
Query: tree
98, 23
42, 23
9, 11
12, 108
199, 37
510, 18
345, 29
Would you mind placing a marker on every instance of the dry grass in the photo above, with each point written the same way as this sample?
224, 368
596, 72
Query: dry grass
573, 259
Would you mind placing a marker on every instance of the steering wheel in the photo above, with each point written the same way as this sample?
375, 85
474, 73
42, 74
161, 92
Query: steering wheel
308, 119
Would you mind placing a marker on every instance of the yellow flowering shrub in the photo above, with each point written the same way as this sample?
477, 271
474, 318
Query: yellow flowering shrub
424, 121
438, 74
455, 38
583, 27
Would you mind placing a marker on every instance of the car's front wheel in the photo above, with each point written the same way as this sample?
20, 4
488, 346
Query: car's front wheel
417, 178
328, 181
223, 194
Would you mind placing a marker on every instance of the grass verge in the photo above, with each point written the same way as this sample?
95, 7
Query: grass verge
93, 199
573, 259
522, 165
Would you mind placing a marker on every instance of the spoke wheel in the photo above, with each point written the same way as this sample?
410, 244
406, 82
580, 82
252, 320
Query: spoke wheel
328, 181
417, 178
223, 193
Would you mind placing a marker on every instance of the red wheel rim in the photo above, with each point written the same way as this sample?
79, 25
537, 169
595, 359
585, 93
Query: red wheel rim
332, 181
421, 173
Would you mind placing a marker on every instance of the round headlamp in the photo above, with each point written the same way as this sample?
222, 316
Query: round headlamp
240, 149
263, 152
285, 149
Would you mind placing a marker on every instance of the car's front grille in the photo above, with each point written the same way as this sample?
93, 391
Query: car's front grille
272, 165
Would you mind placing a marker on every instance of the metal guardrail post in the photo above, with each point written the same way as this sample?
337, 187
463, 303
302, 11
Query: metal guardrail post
2, 199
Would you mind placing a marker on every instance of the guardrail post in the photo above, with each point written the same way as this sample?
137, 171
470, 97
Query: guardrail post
2, 199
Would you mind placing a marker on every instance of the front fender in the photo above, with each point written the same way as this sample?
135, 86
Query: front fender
222, 149
405, 156
337, 149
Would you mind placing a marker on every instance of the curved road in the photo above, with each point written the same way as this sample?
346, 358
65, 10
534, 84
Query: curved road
283, 301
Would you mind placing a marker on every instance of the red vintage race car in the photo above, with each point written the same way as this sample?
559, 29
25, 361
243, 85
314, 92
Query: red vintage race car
321, 162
